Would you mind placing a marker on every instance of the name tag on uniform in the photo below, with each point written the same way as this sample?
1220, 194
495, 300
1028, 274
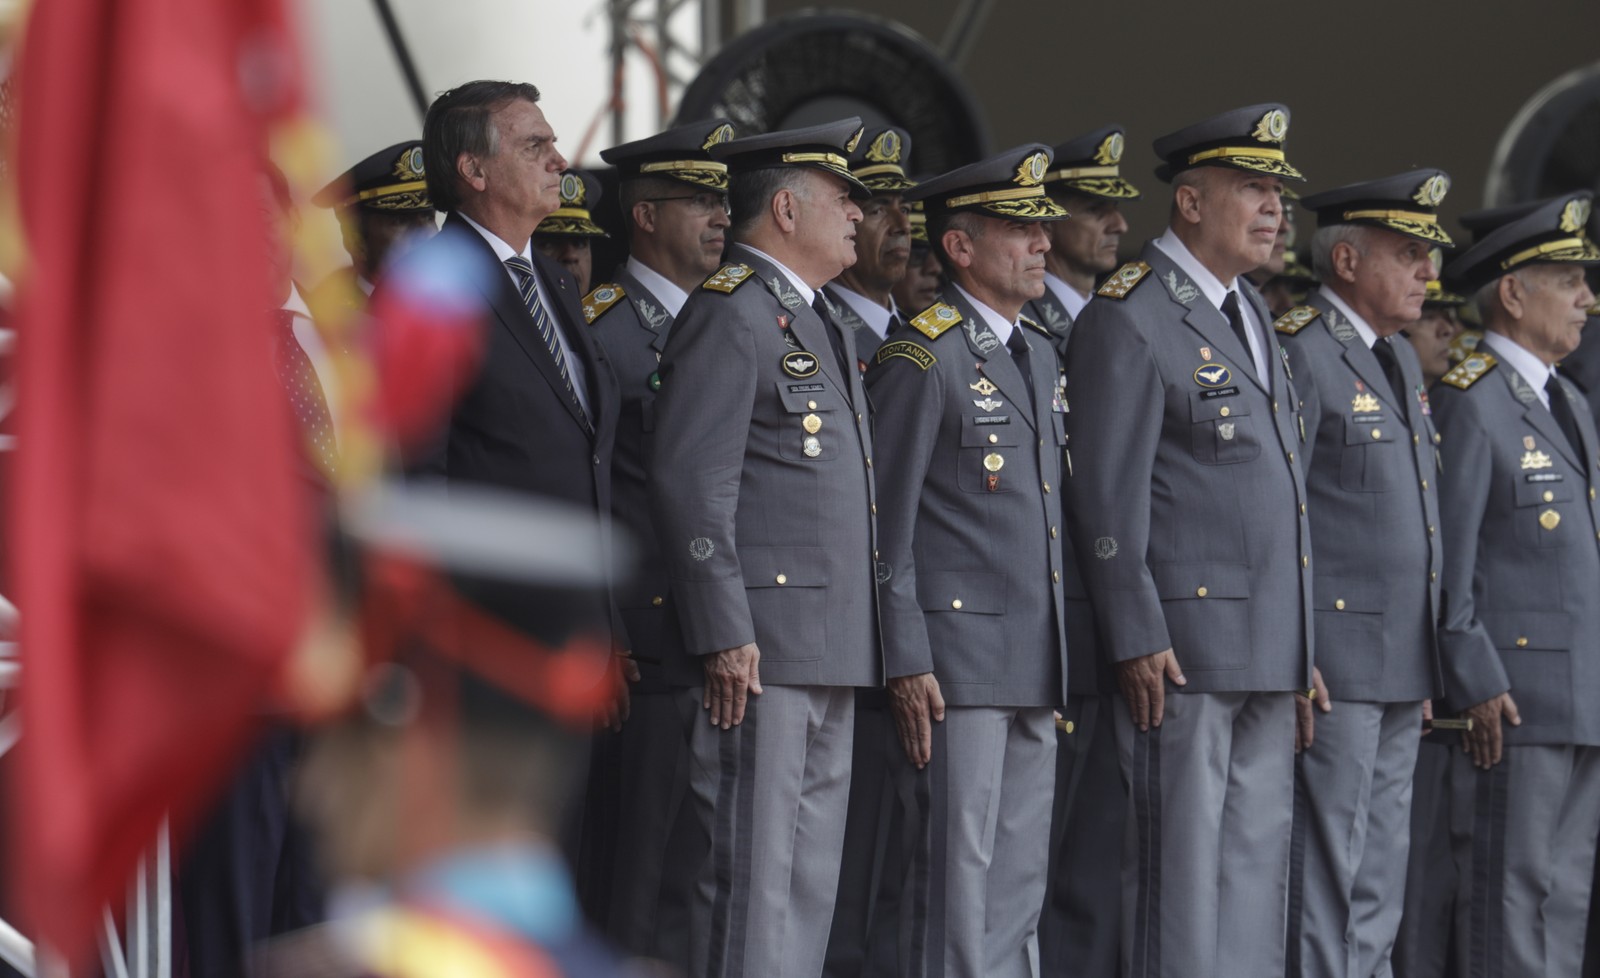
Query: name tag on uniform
993, 419
1544, 477
807, 388
1368, 419
1220, 392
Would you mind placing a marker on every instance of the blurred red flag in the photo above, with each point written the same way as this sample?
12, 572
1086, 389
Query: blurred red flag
161, 553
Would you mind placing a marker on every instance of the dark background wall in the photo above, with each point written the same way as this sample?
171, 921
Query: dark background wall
1374, 86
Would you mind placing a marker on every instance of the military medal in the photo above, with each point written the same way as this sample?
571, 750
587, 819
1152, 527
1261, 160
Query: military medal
984, 387
783, 322
1527, 442
1364, 404
811, 423
1225, 429
994, 462
811, 446
1205, 353
1422, 401
1550, 519
655, 381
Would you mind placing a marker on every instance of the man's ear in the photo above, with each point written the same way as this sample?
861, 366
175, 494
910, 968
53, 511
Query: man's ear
644, 216
958, 246
785, 210
1513, 295
470, 169
1186, 202
1345, 261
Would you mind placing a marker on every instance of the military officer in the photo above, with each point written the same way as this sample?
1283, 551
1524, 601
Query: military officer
1080, 923
1187, 509
763, 506
1430, 336
1521, 633
380, 202
1086, 180
1285, 289
919, 287
675, 204
1369, 460
566, 235
970, 572
862, 295
862, 299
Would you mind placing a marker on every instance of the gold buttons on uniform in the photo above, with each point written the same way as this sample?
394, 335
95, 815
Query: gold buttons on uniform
1291, 458
869, 465
1069, 727
874, 509
1339, 604
1416, 439
1047, 487
1052, 533
1432, 576
657, 601
1430, 529
1055, 576
956, 604
1522, 642
812, 405
783, 579
1591, 492
1200, 591
1377, 433
1549, 496
1305, 561
1424, 485
1274, 407
1224, 412
994, 439
1302, 509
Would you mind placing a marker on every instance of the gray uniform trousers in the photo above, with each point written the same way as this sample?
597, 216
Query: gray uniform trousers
774, 791
970, 908
1351, 837
1230, 758
1422, 946
1526, 867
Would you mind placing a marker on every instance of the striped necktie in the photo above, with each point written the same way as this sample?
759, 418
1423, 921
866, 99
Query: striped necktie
529, 288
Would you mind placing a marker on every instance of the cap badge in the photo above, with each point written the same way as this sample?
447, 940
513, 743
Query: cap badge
1030, 173
721, 134
572, 189
409, 165
1575, 216
854, 141
1110, 151
1432, 191
1273, 127
886, 148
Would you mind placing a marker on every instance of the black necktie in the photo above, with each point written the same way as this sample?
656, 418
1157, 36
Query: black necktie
1018, 345
1230, 308
1562, 409
835, 338
1384, 351
529, 289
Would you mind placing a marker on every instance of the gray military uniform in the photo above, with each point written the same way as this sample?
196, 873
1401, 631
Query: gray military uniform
763, 505
1372, 478
1049, 313
1522, 569
971, 587
1186, 504
655, 851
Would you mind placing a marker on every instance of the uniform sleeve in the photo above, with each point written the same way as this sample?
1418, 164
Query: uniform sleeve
1114, 399
1472, 669
908, 404
708, 388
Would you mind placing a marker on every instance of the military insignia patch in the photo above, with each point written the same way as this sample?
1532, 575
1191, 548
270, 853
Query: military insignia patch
854, 141
886, 148
988, 404
603, 297
1549, 519
1185, 291
1205, 353
1536, 460
1343, 330
1522, 390
1105, 548
409, 166
1527, 442
984, 386
811, 446
721, 134
1024, 320
1123, 280
1296, 319
909, 350
1109, 153
799, 364
1212, 375
1225, 429
1432, 191
934, 320
1364, 404
654, 316
701, 548
728, 278
785, 293
982, 336
1273, 127
1030, 172
1575, 216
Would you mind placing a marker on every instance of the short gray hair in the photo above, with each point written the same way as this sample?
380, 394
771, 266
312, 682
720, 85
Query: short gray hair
1326, 239
1487, 298
942, 221
750, 193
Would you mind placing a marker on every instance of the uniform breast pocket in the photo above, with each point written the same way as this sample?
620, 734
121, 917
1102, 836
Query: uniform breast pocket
810, 429
1372, 455
986, 450
1223, 432
1544, 515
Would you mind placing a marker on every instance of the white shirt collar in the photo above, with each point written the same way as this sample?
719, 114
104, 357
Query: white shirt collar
670, 295
1367, 334
502, 250
365, 286
1535, 371
875, 316
1214, 289
996, 322
296, 303
1069, 297
806, 292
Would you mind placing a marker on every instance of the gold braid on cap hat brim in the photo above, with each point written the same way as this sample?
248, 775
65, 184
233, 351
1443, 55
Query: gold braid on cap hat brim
1269, 161
704, 173
1111, 188
1412, 223
409, 200
1027, 209
1578, 249
568, 223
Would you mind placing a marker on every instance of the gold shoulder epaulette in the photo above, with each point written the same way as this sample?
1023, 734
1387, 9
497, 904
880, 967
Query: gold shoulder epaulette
1024, 320
729, 277
934, 320
911, 351
602, 298
1470, 371
1296, 319
1123, 280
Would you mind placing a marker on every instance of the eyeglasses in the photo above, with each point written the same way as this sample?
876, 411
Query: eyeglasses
702, 204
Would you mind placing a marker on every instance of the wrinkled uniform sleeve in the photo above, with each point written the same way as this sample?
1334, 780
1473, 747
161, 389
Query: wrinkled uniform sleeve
708, 388
1472, 668
1115, 410
908, 405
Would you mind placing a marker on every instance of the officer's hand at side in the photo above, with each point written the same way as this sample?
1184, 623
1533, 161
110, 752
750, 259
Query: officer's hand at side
732, 675
1305, 710
1143, 685
917, 704
1484, 741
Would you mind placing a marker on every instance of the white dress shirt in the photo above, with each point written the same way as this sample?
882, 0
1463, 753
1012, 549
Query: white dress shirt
670, 295
502, 251
1535, 371
1216, 291
1070, 298
875, 316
